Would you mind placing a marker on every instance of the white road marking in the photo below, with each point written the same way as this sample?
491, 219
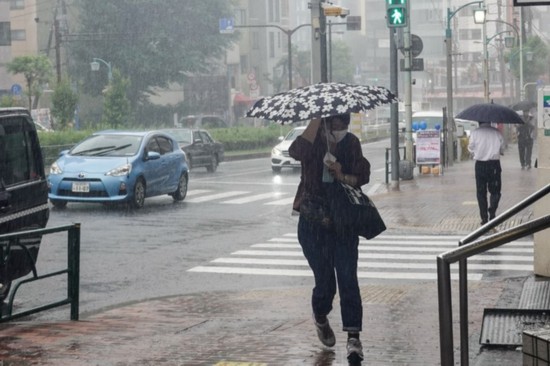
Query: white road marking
217, 196
254, 198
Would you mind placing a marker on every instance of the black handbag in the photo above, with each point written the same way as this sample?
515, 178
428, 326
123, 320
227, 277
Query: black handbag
351, 209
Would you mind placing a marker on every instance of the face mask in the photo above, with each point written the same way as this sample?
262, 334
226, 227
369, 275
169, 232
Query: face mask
337, 136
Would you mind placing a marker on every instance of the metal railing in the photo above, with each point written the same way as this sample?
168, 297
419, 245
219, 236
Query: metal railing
468, 247
72, 271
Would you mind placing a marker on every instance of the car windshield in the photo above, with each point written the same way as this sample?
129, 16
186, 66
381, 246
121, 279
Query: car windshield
182, 136
108, 145
293, 134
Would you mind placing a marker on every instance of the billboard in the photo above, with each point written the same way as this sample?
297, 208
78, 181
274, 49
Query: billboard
531, 2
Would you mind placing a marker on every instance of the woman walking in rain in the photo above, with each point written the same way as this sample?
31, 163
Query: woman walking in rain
327, 152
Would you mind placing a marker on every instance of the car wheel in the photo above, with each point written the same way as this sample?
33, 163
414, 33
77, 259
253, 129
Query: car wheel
5, 290
213, 164
139, 194
181, 192
276, 169
59, 204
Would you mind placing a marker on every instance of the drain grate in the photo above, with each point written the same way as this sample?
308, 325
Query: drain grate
504, 327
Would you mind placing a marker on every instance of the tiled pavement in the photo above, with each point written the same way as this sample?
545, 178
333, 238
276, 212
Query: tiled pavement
273, 326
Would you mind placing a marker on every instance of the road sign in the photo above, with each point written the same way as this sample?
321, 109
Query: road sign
396, 13
16, 89
226, 25
417, 64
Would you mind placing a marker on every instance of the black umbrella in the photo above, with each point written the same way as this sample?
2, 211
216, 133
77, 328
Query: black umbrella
490, 113
319, 101
524, 105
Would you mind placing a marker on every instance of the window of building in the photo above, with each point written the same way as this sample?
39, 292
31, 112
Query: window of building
17, 4
255, 40
284, 8
5, 37
271, 44
244, 64
18, 35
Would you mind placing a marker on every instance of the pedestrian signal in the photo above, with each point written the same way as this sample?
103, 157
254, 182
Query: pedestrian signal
396, 13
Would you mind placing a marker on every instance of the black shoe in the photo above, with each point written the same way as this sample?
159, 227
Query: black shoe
325, 333
355, 350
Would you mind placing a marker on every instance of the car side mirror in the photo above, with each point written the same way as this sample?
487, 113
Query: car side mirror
281, 138
152, 155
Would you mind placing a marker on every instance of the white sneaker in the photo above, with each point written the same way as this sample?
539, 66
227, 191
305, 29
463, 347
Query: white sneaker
355, 350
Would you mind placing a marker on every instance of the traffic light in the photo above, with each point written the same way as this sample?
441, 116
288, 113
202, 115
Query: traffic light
396, 13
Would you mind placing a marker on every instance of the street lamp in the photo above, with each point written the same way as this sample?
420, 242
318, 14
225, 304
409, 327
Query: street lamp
289, 33
95, 67
479, 18
450, 117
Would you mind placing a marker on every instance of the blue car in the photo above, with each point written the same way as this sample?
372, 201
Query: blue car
119, 166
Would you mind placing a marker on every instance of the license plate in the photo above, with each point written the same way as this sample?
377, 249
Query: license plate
81, 187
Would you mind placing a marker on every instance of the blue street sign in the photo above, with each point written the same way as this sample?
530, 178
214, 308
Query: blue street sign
226, 25
16, 89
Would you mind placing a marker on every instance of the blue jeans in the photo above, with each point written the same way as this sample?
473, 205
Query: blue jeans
333, 259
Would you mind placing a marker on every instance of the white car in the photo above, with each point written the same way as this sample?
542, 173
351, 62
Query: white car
279, 155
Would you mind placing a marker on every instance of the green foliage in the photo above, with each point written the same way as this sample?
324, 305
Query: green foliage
116, 111
535, 68
342, 67
9, 101
249, 138
64, 101
37, 70
150, 41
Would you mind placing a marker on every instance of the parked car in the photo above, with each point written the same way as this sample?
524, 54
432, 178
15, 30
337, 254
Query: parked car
119, 166
279, 154
202, 121
199, 147
23, 194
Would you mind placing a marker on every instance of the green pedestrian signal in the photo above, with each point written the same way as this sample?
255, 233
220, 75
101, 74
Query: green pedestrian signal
396, 13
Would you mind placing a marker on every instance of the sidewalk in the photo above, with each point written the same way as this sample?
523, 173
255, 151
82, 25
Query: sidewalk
274, 326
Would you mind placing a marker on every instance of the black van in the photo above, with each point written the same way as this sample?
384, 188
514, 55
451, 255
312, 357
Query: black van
23, 193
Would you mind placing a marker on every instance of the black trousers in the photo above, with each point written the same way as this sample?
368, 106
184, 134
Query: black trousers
488, 179
525, 148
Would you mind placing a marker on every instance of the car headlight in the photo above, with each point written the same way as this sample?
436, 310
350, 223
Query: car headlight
55, 169
275, 151
120, 171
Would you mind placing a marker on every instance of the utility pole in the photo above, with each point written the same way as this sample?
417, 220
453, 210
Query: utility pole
57, 49
315, 41
394, 115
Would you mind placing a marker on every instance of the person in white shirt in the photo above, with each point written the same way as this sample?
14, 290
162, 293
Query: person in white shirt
486, 145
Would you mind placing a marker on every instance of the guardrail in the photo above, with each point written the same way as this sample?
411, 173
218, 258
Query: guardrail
9, 241
469, 247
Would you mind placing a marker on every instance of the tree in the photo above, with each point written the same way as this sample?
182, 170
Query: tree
116, 112
150, 41
534, 67
37, 71
64, 101
342, 68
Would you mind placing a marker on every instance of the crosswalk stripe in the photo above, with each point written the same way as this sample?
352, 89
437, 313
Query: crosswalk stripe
282, 202
400, 248
216, 196
308, 273
361, 264
253, 198
194, 192
386, 257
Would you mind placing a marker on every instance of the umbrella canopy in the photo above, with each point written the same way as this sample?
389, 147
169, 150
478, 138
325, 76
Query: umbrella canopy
490, 113
319, 101
524, 105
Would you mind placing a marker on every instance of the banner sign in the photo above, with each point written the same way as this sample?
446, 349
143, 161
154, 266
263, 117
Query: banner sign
428, 147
